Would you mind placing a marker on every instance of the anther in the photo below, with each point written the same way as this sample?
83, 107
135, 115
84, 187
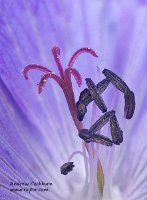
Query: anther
116, 132
129, 104
84, 134
102, 85
95, 95
97, 138
101, 122
101, 139
116, 81
66, 168
81, 110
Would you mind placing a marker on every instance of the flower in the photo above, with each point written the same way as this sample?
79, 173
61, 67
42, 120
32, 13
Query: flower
37, 131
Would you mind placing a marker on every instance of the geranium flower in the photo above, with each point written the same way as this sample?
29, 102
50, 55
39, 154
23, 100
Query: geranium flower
39, 132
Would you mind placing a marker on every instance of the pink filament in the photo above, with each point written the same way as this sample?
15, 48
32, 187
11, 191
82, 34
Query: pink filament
34, 66
78, 52
56, 54
53, 76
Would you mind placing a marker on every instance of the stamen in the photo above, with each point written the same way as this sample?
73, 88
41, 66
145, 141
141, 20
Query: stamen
66, 168
84, 95
101, 139
101, 122
116, 132
85, 135
129, 105
102, 85
95, 96
75, 73
116, 81
78, 52
53, 76
56, 54
81, 110
34, 66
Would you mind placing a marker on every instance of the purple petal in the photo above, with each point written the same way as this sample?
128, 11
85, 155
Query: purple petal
37, 133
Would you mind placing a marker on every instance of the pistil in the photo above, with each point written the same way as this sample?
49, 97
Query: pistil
64, 81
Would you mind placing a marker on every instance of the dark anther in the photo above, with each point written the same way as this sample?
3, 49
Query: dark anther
85, 98
122, 86
97, 138
101, 139
129, 104
81, 110
116, 132
95, 95
91, 136
84, 134
102, 85
66, 168
101, 122
85, 95
116, 81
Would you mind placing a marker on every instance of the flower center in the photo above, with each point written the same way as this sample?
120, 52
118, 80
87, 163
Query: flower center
78, 110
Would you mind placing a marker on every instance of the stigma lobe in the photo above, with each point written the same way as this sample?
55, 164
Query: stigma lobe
78, 52
34, 67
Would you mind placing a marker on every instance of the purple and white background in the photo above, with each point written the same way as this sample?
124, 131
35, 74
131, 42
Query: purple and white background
37, 133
